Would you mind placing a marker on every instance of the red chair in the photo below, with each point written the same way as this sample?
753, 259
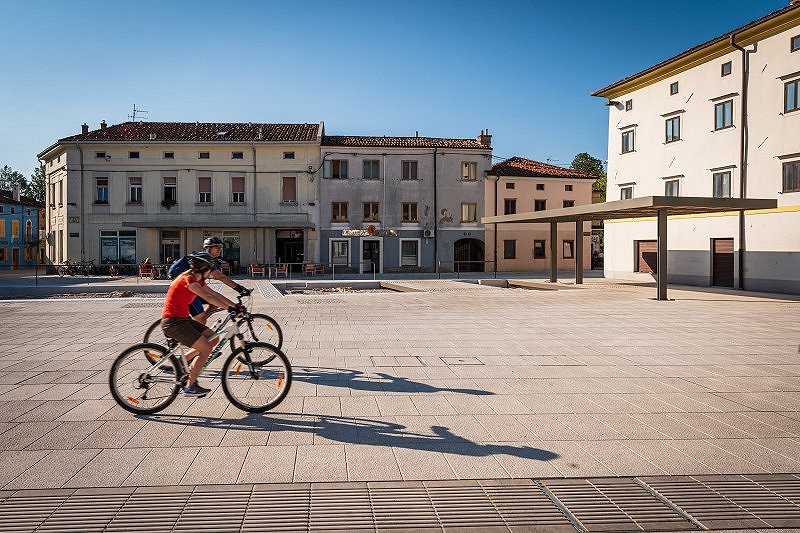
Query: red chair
309, 269
256, 269
281, 269
146, 270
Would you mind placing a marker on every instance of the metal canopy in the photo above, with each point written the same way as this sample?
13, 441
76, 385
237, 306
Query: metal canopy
659, 207
216, 224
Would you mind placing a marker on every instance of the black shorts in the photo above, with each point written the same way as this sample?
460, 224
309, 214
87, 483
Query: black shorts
184, 330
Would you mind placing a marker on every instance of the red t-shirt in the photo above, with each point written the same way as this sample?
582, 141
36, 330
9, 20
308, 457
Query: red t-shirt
176, 304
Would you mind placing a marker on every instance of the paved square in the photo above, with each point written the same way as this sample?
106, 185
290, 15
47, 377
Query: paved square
457, 381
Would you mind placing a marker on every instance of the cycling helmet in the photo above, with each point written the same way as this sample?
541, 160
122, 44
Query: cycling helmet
212, 241
200, 261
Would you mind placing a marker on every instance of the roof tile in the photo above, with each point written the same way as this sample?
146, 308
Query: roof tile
519, 166
199, 131
401, 142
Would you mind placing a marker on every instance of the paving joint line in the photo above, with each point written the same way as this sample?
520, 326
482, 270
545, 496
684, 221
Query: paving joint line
666, 501
561, 507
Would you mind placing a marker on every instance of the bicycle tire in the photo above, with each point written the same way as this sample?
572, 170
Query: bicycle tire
62, 271
154, 335
274, 333
132, 364
240, 380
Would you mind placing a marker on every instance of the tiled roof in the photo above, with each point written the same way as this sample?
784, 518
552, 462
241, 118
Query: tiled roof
401, 142
200, 131
7, 197
725, 37
519, 166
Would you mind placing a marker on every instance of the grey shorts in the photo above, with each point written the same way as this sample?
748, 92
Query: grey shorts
184, 330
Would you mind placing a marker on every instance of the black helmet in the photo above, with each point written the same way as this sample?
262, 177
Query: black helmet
212, 241
200, 261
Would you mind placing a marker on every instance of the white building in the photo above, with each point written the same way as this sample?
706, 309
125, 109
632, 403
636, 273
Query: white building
720, 119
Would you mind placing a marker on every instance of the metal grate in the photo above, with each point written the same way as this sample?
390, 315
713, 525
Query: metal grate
148, 305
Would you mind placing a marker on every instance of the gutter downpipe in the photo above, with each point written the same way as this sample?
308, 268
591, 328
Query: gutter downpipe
435, 217
255, 206
742, 158
83, 214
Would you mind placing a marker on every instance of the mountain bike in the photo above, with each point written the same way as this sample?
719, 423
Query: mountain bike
256, 376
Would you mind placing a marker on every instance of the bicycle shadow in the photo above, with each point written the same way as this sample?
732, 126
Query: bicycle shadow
363, 381
354, 430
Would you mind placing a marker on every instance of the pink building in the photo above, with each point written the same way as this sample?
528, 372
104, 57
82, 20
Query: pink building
519, 185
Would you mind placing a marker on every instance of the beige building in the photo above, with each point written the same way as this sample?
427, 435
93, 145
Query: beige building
721, 119
519, 185
122, 193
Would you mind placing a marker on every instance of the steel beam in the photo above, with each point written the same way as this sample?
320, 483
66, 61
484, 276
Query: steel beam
578, 252
553, 252
661, 274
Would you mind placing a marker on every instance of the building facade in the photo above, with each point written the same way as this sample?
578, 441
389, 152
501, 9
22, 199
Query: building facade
19, 230
721, 119
403, 204
139, 190
518, 185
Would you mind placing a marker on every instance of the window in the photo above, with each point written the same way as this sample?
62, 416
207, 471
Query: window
12, 210
568, 203
372, 169
628, 105
791, 176
567, 188
100, 155
133, 155
335, 169
510, 206
627, 141
673, 89
540, 205
2, 207
118, 247
289, 195
568, 249
340, 251
410, 212
288, 155
204, 190
134, 190
15, 229
540, 186
673, 129
169, 155
204, 155
794, 43
510, 185
791, 96
61, 192
469, 212
237, 189
2, 228
723, 115
371, 212
538, 249
3, 255
672, 188
626, 193
101, 186
509, 249
469, 171
339, 211
170, 190
237, 155
28, 231
727, 68
409, 170
409, 252
722, 184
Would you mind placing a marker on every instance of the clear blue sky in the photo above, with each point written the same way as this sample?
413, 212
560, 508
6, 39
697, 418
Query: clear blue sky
446, 68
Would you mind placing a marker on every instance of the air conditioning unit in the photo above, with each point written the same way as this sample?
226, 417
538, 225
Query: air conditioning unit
428, 233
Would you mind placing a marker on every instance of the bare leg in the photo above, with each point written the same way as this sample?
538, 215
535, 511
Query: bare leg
192, 354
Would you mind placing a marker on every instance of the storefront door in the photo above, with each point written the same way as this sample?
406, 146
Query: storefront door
289, 248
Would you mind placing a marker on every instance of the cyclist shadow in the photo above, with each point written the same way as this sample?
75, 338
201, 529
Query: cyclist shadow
352, 430
363, 381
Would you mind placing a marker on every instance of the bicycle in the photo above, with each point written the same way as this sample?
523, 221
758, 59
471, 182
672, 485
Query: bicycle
256, 376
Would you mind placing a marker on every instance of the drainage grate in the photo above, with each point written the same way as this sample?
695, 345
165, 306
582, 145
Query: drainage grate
148, 305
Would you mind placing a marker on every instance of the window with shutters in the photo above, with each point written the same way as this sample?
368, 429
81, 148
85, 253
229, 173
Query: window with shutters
469, 171
469, 212
237, 189
289, 192
204, 190
134, 190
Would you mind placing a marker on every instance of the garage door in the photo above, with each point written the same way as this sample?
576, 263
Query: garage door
647, 256
722, 262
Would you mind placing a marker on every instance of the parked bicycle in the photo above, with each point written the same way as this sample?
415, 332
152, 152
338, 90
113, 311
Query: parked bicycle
78, 268
256, 376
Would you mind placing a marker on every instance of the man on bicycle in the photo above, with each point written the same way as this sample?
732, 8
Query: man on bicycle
213, 247
177, 323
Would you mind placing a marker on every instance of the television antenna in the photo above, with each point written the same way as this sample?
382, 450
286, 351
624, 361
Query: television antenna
138, 114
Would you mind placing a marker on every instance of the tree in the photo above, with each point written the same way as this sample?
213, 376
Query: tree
37, 187
10, 177
591, 165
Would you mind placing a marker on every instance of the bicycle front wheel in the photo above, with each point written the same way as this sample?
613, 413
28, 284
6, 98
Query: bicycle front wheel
137, 386
262, 328
252, 386
62, 271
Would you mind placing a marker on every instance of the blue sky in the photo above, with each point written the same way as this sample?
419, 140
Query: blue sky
443, 68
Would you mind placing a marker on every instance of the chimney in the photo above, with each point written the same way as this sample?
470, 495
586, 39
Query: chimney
103, 125
15, 193
84, 128
485, 139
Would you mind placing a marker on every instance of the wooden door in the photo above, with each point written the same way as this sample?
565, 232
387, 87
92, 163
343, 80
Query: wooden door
15, 258
647, 256
722, 262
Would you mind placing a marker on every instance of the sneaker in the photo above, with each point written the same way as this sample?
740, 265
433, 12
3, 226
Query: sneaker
194, 391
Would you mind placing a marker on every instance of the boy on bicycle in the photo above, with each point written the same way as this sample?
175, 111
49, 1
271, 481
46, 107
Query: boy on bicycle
177, 323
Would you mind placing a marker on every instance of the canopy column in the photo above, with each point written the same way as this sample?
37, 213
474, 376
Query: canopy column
553, 252
661, 274
579, 252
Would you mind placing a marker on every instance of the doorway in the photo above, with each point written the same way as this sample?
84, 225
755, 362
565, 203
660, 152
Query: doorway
647, 257
15, 258
722, 262
371, 256
170, 245
468, 255
289, 248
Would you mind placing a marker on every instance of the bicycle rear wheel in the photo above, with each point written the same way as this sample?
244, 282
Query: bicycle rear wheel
155, 335
262, 328
138, 388
252, 386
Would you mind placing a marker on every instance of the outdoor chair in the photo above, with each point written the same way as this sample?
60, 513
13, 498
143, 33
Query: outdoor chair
309, 269
281, 269
257, 270
145, 271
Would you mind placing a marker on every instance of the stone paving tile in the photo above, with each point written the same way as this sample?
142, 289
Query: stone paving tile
156, 433
573, 460
221, 464
274, 464
48, 411
162, 466
320, 463
58, 467
717, 459
667, 457
467, 464
618, 458
423, 464
87, 410
371, 463
65, 436
112, 434
24, 433
13, 463
109, 468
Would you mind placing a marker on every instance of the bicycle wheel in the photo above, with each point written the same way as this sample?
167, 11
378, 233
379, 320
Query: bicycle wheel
256, 387
262, 328
62, 271
155, 335
136, 387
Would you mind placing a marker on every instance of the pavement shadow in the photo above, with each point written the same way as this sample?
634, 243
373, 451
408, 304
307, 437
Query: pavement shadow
353, 430
363, 381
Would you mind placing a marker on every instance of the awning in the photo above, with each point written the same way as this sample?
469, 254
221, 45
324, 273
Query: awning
648, 206
176, 224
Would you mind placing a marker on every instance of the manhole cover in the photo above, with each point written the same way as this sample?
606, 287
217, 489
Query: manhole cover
453, 361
